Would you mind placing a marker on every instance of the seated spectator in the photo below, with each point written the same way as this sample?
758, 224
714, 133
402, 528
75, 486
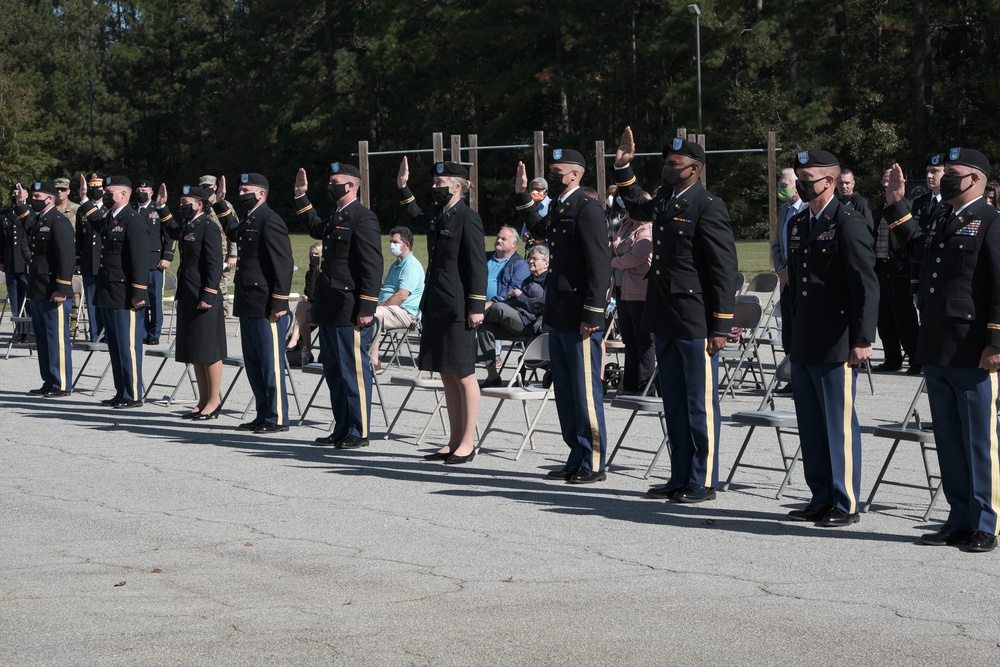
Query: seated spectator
301, 333
992, 192
399, 299
506, 269
519, 314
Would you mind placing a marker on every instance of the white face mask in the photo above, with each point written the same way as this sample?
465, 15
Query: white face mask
396, 249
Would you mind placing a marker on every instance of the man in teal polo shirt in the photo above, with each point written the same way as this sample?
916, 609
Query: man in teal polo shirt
399, 298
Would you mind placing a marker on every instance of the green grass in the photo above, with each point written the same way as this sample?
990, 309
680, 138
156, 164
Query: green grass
754, 257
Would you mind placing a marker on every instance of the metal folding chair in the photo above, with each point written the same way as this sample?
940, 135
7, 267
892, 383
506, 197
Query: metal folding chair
647, 405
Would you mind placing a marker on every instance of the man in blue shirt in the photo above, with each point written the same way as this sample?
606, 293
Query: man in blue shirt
399, 298
507, 269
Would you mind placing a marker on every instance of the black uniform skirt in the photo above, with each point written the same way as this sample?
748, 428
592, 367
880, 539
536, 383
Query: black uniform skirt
447, 347
201, 334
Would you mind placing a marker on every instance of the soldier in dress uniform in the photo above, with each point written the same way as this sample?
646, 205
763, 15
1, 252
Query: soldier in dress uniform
263, 280
229, 249
959, 340
689, 307
831, 265
122, 289
575, 301
161, 253
14, 259
50, 285
89, 220
346, 296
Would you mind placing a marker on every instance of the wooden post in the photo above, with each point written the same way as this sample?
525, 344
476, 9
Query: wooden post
438, 147
474, 172
704, 171
772, 186
539, 154
365, 175
602, 178
456, 148
682, 132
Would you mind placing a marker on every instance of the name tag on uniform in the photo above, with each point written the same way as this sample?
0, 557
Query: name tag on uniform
971, 229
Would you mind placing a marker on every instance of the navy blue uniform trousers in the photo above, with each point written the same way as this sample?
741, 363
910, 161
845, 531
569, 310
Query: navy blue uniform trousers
94, 314
579, 394
829, 432
17, 290
154, 304
964, 413
124, 331
55, 353
348, 372
689, 383
264, 364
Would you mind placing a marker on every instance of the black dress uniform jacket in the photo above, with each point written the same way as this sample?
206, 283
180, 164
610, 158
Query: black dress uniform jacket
161, 246
923, 209
351, 275
690, 289
50, 238
959, 297
899, 265
834, 289
124, 269
264, 268
579, 262
456, 277
89, 222
200, 248
14, 251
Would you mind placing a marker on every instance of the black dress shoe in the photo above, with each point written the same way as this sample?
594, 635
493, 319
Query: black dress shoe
562, 473
491, 382
41, 391
124, 405
584, 476
785, 390
155, 340
327, 441
455, 459
205, 416
663, 492
838, 518
437, 456
115, 400
251, 426
887, 368
55, 393
811, 512
981, 542
915, 369
191, 415
694, 493
352, 442
946, 537
270, 427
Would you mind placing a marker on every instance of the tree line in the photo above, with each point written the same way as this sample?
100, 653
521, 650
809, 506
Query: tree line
171, 89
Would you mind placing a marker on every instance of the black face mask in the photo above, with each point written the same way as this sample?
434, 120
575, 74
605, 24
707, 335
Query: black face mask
38, 205
186, 211
441, 195
95, 194
248, 201
672, 175
556, 185
806, 190
314, 260
951, 186
109, 199
142, 197
335, 191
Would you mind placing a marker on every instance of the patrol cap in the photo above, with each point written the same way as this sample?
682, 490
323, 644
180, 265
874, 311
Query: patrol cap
344, 169
144, 184
196, 191
45, 187
969, 157
455, 169
118, 180
806, 159
208, 180
254, 179
61, 183
567, 156
95, 180
935, 160
684, 147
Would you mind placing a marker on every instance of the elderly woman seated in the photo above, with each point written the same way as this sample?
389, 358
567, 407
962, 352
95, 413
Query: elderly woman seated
518, 315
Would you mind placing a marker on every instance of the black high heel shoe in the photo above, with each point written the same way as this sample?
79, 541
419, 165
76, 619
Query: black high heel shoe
194, 414
455, 460
214, 414
437, 456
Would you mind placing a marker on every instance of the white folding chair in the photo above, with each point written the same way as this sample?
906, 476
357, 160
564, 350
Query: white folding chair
747, 315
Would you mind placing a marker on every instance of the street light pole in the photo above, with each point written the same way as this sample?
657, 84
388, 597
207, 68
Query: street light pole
696, 11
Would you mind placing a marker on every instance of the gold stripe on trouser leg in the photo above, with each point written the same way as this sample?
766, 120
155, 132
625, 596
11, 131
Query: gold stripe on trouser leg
588, 388
994, 454
277, 373
362, 393
131, 351
849, 438
709, 418
62, 347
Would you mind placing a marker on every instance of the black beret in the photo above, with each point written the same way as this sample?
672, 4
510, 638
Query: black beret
684, 147
451, 169
805, 159
969, 157
196, 191
567, 156
254, 179
345, 169
143, 184
118, 180
45, 187
935, 160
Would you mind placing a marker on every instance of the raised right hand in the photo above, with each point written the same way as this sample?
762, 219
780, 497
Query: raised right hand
220, 188
83, 187
896, 189
626, 148
301, 183
404, 173
161, 195
521, 178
